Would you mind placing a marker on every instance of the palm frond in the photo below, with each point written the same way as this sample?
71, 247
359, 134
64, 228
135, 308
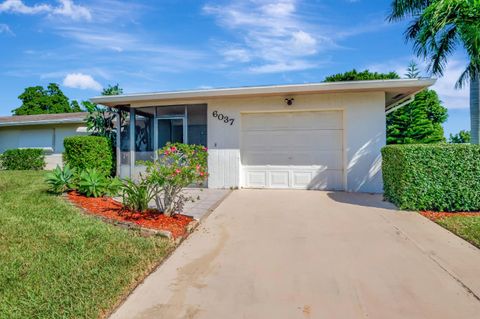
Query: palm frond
444, 47
405, 8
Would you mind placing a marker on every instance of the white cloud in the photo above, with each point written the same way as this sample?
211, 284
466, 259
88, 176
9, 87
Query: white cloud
298, 65
65, 8
236, 54
69, 9
81, 81
4, 28
17, 6
445, 87
271, 32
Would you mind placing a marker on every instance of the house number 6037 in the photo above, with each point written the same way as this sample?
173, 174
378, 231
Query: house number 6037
222, 117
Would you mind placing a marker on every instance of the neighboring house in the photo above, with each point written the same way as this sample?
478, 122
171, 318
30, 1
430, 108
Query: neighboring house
45, 131
309, 136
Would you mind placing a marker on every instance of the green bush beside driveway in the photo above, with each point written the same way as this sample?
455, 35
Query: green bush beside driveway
437, 177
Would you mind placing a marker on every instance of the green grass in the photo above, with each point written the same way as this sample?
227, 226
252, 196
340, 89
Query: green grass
56, 262
467, 227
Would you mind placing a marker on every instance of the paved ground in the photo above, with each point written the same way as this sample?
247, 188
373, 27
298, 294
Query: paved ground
206, 199
306, 254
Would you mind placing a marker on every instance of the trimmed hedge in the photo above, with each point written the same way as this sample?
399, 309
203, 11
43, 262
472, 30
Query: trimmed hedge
23, 159
82, 152
438, 177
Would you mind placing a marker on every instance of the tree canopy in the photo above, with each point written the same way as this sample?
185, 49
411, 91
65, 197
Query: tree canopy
437, 29
38, 100
354, 75
112, 90
418, 122
461, 137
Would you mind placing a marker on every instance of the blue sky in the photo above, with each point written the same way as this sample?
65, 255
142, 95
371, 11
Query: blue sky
169, 45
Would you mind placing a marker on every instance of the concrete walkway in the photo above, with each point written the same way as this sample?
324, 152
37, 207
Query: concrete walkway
306, 254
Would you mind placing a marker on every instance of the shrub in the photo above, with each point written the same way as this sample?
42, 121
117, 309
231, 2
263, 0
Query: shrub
92, 183
88, 152
23, 159
178, 166
137, 196
61, 180
440, 177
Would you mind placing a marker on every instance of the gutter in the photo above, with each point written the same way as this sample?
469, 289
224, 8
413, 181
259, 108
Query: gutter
322, 87
44, 122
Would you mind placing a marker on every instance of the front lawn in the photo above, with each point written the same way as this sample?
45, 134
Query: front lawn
467, 227
56, 262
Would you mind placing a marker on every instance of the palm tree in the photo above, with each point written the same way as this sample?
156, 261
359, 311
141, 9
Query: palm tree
438, 28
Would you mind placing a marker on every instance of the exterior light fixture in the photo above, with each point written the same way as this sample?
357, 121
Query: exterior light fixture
289, 101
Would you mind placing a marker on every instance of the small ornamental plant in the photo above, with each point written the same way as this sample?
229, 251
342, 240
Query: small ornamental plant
178, 166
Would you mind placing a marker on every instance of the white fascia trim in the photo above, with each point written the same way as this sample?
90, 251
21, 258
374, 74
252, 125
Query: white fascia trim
46, 122
380, 85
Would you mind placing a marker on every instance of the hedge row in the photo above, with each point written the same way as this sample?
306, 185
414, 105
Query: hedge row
23, 159
84, 152
438, 177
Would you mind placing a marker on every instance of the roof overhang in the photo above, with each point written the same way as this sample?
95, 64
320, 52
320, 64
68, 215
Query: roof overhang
395, 91
42, 122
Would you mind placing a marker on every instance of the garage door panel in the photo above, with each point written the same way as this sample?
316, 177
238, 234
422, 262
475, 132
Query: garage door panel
293, 140
316, 120
328, 159
299, 178
291, 121
293, 150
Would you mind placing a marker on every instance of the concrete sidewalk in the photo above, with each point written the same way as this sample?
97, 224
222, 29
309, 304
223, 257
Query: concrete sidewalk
307, 254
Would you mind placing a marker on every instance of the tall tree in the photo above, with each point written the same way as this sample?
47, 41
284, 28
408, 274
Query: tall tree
38, 100
412, 71
461, 137
112, 90
439, 27
418, 122
101, 120
354, 75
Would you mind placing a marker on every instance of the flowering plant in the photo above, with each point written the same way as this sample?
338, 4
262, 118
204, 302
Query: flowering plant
178, 166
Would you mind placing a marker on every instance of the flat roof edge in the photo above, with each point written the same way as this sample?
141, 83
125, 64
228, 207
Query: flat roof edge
46, 122
268, 90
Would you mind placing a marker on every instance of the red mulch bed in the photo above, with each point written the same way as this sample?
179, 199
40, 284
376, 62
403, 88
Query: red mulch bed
439, 215
109, 208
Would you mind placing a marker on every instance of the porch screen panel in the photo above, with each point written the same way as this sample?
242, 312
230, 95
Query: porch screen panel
124, 161
197, 124
144, 118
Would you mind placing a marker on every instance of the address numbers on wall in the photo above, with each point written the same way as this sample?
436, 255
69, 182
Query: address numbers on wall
224, 118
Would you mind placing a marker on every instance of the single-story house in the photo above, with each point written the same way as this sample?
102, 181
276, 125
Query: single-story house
324, 136
45, 131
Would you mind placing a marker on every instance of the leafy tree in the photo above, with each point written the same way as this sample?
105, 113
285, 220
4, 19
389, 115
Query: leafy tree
100, 121
112, 90
354, 75
418, 122
38, 100
461, 137
439, 27
412, 71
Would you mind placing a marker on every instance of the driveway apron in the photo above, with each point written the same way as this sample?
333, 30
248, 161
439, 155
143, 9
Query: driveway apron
310, 254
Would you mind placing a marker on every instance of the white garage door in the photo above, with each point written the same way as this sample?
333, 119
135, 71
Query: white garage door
293, 150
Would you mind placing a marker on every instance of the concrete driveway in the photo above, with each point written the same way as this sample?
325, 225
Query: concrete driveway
306, 254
